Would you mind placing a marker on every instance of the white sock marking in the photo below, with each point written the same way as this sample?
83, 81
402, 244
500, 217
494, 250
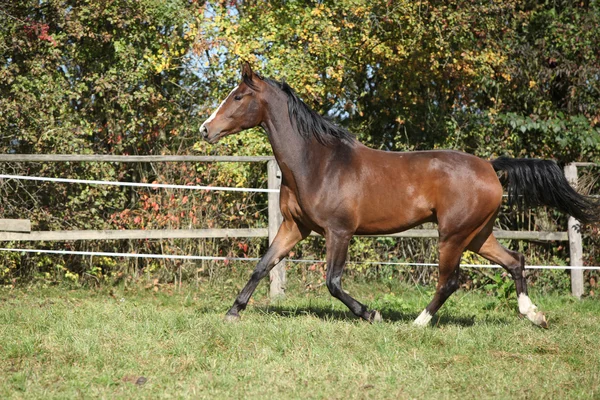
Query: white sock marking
526, 307
423, 319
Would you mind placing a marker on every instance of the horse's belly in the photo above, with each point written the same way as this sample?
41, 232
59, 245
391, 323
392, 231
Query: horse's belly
397, 219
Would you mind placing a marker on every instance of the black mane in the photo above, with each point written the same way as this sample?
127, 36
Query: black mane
306, 121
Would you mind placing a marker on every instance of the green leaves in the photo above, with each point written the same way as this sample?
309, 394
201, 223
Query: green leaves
566, 137
74, 79
411, 75
138, 77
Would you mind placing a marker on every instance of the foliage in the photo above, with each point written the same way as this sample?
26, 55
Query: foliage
415, 75
503, 289
105, 84
122, 77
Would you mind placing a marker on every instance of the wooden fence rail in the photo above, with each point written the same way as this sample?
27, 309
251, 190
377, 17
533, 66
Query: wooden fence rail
18, 230
9, 235
126, 159
15, 225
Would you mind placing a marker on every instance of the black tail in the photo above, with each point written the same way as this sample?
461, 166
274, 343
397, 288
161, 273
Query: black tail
534, 182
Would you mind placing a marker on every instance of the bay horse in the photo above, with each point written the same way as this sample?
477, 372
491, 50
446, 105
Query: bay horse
334, 185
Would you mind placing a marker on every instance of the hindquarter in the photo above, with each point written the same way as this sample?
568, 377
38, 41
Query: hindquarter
471, 196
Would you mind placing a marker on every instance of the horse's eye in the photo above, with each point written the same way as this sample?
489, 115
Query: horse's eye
237, 97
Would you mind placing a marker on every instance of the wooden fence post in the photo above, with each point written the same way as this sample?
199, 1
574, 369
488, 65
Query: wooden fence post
575, 243
277, 274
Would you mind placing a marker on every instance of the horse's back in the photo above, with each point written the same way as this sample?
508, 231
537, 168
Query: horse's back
405, 189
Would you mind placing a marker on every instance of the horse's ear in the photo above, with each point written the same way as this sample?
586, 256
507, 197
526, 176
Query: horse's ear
246, 70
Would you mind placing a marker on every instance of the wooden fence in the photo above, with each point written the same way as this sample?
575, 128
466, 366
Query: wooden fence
19, 230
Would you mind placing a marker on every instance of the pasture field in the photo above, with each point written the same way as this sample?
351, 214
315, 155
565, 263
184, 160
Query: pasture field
141, 343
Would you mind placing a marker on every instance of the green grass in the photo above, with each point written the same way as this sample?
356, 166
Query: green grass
59, 343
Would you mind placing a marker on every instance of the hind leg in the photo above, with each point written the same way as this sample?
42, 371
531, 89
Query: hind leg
337, 250
514, 263
448, 282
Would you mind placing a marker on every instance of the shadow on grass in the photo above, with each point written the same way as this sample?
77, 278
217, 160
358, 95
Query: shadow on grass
446, 317
327, 313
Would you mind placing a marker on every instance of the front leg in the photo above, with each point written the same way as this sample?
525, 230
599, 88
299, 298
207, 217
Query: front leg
337, 251
288, 235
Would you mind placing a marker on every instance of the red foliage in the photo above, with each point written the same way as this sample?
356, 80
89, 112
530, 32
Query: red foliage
39, 30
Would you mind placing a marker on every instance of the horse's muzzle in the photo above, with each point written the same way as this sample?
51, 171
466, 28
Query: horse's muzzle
204, 132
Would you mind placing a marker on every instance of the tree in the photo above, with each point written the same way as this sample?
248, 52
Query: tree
486, 77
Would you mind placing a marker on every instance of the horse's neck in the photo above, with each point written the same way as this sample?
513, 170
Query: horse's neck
299, 158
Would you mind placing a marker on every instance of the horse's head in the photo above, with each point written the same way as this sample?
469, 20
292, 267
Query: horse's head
240, 110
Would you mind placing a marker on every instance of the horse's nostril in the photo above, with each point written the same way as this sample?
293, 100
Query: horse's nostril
203, 131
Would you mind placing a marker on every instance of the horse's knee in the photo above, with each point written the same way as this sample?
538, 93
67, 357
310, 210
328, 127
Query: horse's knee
334, 284
450, 286
258, 274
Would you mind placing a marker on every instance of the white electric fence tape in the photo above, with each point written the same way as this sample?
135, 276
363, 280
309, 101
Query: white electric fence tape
137, 184
213, 258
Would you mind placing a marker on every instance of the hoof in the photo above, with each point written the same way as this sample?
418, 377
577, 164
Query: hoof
375, 317
540, 320
231, 318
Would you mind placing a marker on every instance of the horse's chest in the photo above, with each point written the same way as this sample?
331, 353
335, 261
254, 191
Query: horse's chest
300, 209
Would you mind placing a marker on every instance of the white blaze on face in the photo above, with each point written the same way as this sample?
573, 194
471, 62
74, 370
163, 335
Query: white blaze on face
214, 114
423, 319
